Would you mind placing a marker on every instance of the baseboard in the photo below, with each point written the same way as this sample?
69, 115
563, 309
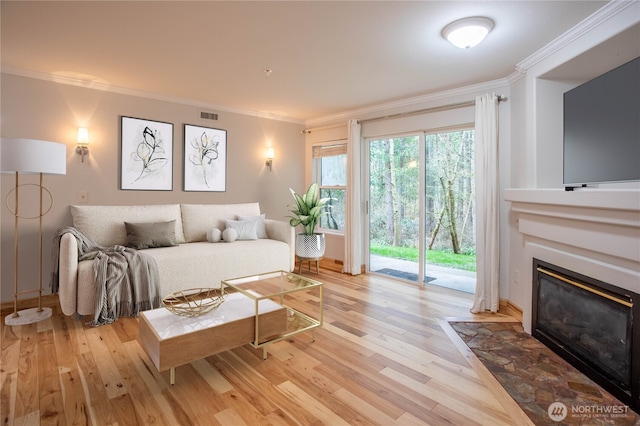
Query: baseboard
48, 300
508, 308
332, 264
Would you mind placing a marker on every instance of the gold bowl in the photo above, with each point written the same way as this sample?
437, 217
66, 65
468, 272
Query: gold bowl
194, 301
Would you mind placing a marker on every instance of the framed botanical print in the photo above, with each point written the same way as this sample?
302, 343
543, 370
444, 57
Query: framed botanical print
146, 156
205, 159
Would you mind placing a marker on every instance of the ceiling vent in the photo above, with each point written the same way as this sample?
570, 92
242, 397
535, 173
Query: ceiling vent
209, 115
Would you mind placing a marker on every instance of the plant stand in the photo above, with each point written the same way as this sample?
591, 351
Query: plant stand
309, 259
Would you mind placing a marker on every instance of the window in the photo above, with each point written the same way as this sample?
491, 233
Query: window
330, 171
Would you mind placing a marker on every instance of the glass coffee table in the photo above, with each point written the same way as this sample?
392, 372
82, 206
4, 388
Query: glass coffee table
301, 297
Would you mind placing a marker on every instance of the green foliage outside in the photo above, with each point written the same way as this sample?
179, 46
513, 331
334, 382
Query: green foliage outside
449, 199
446, 258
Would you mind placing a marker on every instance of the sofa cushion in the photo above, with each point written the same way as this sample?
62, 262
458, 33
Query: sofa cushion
151, 235
197, 265
261, 231
198, 219
105, 224
204, 265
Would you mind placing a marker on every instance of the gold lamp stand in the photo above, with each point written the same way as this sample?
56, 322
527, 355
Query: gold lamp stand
30, 156
31, 315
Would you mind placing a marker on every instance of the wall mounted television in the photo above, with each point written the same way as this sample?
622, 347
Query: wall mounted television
602, 129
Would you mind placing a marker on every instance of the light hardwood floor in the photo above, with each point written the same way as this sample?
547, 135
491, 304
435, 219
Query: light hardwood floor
384, 355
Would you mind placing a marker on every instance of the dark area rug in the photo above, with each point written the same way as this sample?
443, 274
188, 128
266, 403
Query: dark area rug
404, 275
537, 378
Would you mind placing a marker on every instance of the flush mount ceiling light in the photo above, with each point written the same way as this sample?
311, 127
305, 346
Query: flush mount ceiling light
467, 32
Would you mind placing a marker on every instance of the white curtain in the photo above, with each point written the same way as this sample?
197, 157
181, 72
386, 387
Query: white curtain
487, 205
352, 231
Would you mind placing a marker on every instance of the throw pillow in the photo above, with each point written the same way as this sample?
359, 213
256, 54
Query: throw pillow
150, 235
214, 236
229, 235
261, 231
246, 229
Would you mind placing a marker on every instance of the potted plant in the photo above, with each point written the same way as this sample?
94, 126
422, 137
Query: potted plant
307, 211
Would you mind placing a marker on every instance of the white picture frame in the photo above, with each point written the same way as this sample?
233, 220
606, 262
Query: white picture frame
205, 159
146, 156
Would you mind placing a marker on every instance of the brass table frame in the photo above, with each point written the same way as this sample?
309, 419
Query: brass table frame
278, 286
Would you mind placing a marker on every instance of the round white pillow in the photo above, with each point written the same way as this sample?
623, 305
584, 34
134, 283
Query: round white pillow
229, 235
214, 235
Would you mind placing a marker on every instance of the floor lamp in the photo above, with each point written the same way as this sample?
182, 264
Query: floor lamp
28, 156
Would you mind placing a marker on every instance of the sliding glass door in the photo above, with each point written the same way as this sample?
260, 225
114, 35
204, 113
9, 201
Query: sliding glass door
394, 207
450, 245
421, 208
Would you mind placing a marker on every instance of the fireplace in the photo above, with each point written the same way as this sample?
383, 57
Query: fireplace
593, 325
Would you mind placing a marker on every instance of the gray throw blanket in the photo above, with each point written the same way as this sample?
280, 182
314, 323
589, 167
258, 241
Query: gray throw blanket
126, 280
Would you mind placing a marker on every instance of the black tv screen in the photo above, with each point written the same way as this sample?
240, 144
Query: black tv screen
602, 128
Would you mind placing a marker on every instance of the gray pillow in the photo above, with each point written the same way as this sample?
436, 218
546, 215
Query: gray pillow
246, 229
261, 231
150, 235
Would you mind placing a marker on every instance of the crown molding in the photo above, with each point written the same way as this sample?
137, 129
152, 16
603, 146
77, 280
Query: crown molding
601, 15
408, 103
106, 87
515, 76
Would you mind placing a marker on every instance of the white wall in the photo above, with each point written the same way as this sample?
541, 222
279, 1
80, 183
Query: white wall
549, 126
39, 109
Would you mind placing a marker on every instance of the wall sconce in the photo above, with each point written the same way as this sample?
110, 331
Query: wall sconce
83, 142
270, 157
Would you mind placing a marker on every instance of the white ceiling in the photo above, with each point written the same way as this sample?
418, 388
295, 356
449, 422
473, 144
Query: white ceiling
326, 57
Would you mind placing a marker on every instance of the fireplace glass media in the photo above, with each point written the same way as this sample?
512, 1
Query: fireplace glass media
591, 324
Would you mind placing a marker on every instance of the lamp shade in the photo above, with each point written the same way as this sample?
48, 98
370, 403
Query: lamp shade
83, 136
32, 156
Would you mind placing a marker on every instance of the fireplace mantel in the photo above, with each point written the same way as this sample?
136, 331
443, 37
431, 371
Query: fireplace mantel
617, 199
604, 221
606, 206
595, 232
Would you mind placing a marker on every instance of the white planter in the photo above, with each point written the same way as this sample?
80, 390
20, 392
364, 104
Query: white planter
310, 245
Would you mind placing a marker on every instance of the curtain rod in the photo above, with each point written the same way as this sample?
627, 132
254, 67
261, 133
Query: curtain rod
331, 126
408, 113
425, 110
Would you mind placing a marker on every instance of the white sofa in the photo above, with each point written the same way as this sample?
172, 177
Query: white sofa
193, 263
